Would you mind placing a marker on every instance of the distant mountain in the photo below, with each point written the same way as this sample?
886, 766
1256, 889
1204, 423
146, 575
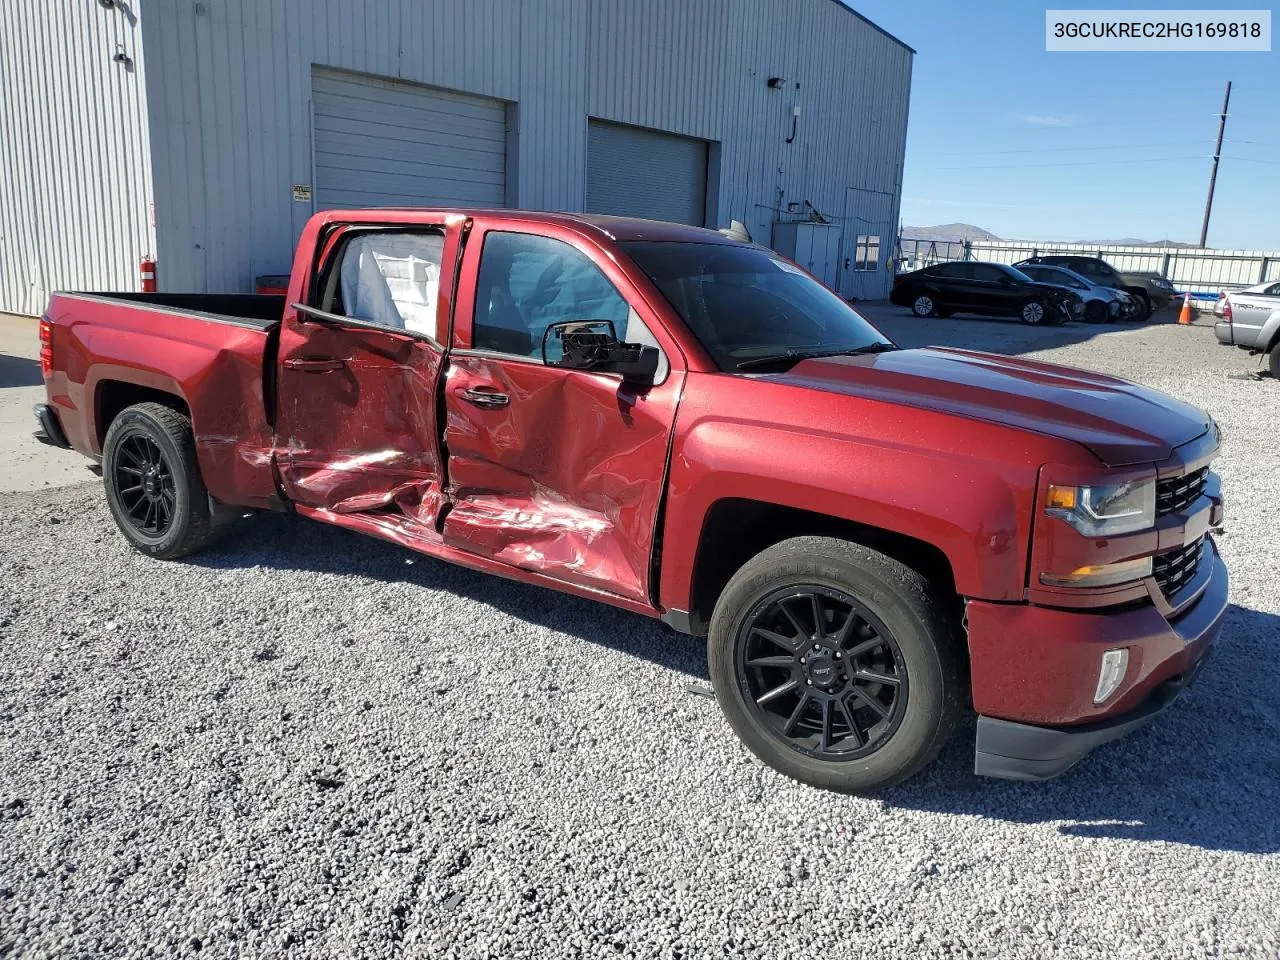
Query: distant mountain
948, 231
1131, 242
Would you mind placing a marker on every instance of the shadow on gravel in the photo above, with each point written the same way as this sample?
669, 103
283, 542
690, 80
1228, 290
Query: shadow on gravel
293, 543
19, 372
1205, 773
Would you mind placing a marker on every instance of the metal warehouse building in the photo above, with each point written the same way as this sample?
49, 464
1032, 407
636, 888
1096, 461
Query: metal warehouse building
205, 132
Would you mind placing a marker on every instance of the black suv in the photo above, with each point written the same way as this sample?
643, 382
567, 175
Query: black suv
1152, 290
967, 286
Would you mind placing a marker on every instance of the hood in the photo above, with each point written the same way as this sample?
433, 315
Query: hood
1120, 422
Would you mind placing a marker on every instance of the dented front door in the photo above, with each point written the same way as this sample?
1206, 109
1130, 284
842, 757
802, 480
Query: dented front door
555, 471
356, 423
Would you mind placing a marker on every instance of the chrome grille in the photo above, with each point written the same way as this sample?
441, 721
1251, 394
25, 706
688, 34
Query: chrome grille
1178, 493
1175, 569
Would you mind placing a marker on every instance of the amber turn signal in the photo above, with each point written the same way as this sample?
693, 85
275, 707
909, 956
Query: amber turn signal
1063, 498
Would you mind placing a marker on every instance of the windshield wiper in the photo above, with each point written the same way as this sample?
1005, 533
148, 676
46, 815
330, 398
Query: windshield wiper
795, 356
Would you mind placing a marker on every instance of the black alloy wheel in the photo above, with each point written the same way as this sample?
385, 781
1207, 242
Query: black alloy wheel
145, 485
151, 477
825, 675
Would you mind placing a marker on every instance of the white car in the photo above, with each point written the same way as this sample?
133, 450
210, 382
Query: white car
1100, 303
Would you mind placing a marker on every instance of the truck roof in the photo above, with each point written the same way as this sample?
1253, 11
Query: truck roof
614, 228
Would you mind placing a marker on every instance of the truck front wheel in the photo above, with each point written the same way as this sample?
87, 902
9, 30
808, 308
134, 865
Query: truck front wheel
837, 665
153, 483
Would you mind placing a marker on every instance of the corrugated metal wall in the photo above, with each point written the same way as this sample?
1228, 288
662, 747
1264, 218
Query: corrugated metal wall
74, 160
229, 82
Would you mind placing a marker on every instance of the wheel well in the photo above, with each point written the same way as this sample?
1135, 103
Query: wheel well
113, 396
736, 530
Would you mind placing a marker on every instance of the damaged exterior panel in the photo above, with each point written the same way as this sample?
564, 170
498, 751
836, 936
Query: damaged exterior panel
577, 500
212, 363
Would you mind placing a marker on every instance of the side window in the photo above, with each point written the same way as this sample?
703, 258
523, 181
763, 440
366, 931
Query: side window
1273, 290
866, 252
953, 271
988, 273
391, 279
527, 282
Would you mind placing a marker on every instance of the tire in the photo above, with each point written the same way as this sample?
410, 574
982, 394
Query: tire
166, 513
918, 643
923, 305
1096, 311
1273, 361
1143, 313
1034, 313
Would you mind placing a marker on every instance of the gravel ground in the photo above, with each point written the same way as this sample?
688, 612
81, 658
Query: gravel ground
310, 744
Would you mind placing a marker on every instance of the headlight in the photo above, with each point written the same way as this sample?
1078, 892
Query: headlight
1105, 510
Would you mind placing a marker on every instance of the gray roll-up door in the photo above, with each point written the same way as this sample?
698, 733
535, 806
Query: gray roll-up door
633, 172
385, 143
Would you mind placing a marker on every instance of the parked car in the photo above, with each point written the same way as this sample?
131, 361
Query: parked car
968, 286
1153, 291
1101, 304
692, 428
1250, 320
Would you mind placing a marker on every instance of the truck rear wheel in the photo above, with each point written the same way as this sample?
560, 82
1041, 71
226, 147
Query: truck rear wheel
837, 665
153, 483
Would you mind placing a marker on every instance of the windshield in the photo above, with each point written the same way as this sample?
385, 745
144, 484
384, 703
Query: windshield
745, 303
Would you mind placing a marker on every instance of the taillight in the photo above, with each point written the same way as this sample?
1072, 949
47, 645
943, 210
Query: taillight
46, 347
1226, 311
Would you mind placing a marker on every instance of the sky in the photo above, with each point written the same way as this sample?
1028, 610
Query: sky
1082, 146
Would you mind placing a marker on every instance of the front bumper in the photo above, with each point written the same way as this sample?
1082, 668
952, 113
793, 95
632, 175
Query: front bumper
1019, 751
1035, 670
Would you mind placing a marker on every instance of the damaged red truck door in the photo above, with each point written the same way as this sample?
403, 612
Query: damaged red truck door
545, 468
554, 470
357, 426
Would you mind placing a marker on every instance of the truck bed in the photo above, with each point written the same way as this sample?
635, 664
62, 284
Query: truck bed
258, 310
207, 354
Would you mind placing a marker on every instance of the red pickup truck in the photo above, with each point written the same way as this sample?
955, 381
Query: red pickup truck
690, 427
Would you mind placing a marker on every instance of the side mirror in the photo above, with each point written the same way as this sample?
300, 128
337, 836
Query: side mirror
593, 345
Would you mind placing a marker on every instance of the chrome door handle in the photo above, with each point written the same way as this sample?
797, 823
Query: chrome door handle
485, 397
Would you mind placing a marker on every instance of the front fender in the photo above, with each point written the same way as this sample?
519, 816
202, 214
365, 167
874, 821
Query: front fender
963, 486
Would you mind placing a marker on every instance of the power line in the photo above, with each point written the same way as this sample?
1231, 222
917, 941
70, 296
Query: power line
1078, 163
1275, 163
1117, 146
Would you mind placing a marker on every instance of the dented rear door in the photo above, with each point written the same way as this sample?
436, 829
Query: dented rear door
551, 470
357, 425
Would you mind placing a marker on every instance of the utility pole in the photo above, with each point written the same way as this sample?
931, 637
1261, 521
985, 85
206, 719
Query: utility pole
1213, 176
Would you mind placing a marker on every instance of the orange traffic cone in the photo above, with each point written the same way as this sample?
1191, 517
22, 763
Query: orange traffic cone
1184, 317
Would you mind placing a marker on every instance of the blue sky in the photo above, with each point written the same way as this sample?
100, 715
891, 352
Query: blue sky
1081, 146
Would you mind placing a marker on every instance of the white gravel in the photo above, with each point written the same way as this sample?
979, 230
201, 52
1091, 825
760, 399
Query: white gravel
310, 744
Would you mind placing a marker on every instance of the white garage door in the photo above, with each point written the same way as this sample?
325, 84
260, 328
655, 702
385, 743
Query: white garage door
634, 172
385, 143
